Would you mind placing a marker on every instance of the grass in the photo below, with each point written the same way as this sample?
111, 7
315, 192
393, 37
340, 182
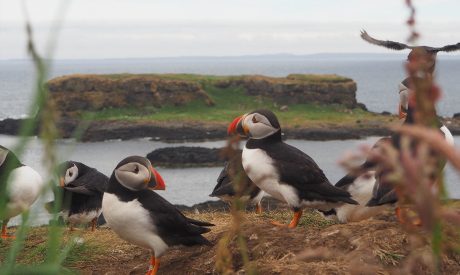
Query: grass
233, 101
314, 78
309, 219
35, 250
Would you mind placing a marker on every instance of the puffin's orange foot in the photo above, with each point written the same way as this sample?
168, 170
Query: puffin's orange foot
8, 237
154, 265
259, 209
277, 223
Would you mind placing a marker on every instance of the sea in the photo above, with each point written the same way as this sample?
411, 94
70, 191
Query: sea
377, 76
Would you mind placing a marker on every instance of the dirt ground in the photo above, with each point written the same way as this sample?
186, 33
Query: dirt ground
377, 246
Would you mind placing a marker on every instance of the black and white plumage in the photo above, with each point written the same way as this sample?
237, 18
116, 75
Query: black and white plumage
384, 193
83, 188
140, 216
401, 46
360, 184
281, 170
21, 184
233, 173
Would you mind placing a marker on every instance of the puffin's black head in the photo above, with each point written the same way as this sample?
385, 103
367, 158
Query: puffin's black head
69, 171
257, 124
8, 160
136, 173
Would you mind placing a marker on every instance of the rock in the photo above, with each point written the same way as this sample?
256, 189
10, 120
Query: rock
184, 156
76, 93
456, 115
11, 126
295, 90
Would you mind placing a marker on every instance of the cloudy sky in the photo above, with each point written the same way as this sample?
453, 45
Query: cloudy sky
163, 28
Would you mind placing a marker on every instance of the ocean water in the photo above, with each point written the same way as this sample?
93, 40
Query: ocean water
377, 76
185, 186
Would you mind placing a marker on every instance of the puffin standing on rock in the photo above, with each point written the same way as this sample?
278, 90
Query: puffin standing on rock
83, 188
21, 184
233, 173
140, 216
281, 170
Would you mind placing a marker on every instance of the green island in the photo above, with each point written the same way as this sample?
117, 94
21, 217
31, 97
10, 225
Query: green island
298, 100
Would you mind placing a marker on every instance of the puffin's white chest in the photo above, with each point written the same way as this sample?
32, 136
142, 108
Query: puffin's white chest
24, 187
361, 191
261, 170
132, 222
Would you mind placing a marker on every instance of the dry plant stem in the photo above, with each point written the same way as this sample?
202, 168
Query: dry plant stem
238, 216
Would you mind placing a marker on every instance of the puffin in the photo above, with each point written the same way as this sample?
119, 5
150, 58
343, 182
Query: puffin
140, 216
225, 190
82, 191
281, 170
21, 184
384, 193
360, 184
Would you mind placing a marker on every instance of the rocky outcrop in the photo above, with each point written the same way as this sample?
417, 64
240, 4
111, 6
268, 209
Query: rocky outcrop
297, 89
184, 156
76, 93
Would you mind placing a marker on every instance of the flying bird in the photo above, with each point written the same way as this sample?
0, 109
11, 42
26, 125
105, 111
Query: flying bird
140, 216
281, 170
401, 46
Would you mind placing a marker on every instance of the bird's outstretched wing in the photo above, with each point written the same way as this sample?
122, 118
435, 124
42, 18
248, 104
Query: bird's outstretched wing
384, 43
449, 48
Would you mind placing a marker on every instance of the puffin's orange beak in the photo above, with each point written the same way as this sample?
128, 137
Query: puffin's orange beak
237, 126
160, 184
61, 182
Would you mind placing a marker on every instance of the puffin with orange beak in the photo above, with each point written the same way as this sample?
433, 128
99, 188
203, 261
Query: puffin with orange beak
82, 191
140, 216
281, 170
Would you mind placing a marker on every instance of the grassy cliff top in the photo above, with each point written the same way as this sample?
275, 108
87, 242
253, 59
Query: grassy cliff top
309, 78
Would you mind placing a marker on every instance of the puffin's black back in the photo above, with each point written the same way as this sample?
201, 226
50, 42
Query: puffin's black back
234, 168
299, 170
10, 163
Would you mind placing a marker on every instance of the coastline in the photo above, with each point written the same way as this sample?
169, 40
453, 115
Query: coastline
169, 132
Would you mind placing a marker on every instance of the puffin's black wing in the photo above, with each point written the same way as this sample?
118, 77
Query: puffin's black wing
173, 227
387, 44
299, 170
91, 183
448, 48
382, 194
224, 184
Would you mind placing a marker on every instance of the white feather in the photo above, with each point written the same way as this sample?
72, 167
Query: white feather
84, 217
361, 191
24, 187
133, 223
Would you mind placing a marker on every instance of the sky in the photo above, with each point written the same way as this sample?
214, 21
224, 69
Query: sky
90, 29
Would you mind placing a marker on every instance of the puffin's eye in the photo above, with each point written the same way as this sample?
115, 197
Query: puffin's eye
254, 119
70, 174
136, 169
